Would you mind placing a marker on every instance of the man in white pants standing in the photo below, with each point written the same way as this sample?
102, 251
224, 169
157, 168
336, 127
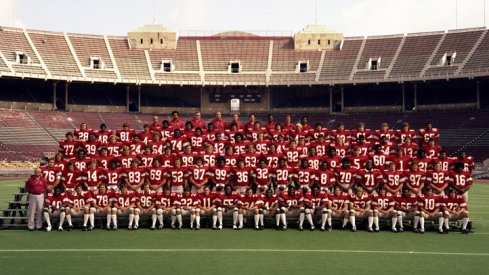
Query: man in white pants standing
36, 186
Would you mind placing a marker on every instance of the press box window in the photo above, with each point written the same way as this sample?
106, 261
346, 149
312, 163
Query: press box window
22, 58
167, 66
96, 63
302, 66
234, 67
448, 59
373, 64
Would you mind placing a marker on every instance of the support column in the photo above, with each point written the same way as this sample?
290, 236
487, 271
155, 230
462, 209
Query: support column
269, 100
139, 99
478, 91
54, 95
415, 107
127, 97
342, 99
403, 98
330, 99
66, 96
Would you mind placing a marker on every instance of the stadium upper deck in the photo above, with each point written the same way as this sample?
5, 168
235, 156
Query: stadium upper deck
208, 60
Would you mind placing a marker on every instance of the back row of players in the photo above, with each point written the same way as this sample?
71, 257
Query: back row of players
178, 157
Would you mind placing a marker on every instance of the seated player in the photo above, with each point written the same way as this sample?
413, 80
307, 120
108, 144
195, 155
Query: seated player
316, 203
290, 205
145, 206
282, 176
206, 206
383, 205
189, 206
267, 205
54, 207
248, 204
226, 206
164, 205
125, 203
360, 208
429, 207
406, 207
338, 204
455, 209
75, 205
103, 202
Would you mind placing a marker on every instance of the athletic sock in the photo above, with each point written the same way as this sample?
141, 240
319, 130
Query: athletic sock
62, 218
257, 220
440, 223
92, 220
192, 219
47, 219
136, 220
309, 219
108, 219
261, 219
85, 219
197, 220
153, 220
68, 220
324, 218
376, 222
131, 219
301, 219
240, 220
465, 221
114, 219
370, 221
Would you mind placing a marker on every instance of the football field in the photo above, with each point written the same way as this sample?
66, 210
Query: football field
247, 251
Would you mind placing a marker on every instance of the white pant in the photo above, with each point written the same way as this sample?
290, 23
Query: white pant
35, 210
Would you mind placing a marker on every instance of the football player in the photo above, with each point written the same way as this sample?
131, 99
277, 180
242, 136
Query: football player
360, 208
406, 207
125, 203
455, 209
54, 207
291, 205
103, 202
383, 205
338, 204
75, 205
429, 207
145, 205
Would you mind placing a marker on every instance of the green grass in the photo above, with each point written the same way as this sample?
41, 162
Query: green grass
228, 251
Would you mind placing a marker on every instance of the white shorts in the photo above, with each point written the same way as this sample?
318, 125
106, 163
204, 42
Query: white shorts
177, 189
389, 215
241, 189
125, 213
292, 213
197, 190
80, 213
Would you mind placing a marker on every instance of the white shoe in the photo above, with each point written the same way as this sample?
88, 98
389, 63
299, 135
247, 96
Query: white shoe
48, 228
220, 227
60, 228
235, 227
160, 226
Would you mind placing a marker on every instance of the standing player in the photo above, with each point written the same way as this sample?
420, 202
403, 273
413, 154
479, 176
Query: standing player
325, 177
177, 176
370, 178
346, 176
393, 179
241, 177
282, 176
437, 179
414, 179
261, 176
304, 175
52, 174
198, 175
156, 175
221, 174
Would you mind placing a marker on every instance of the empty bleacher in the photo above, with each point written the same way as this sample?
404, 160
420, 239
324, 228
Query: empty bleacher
338, 64
285, 58
55, 53
131, 62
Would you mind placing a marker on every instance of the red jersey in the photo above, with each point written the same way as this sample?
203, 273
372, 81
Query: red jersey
51, 174
177, 176
468, 163
167, 161
146, 159
382, 203
197, 143
321, 147
166, 201
401, 135
69, 147
82, 134
146, 137
305, 176
155, 175
342, 135
283, 176
437, 178
157, 147
219, 146
188, 159
315, 201
370, 180
425, 135
125, 135
272, 160
81, 164
291, 201
188, 201
392, 179
114, 148
314, 161
359, 202
146, 200
134, 176
460, 181
454, 204
346, 176
103, 137
409, 202
446, 163
78, 201
177, 144
314, 134
333, 163
242, 176
126, 160
114, 176
378, 160
326, 178
103, 161
424, 164
199, 174
414, 179
56, 202
429, 203
95, 176
389, 134
249, 202
292, 157
402, 163
269, 202
432, 151
409, 150
206, 201
342, 150
338, 202
91, 147
210, 159
125, 200
355, 134
70, 179
220, 176
227, 200
358, 162
232, 160
262, 175
102, 199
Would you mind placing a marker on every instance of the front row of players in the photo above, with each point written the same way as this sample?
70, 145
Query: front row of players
290, 203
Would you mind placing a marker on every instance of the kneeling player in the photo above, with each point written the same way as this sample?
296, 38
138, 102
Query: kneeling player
145, 206
125, 203
383, 206
360, 208
291, 205
455, 209
54, 207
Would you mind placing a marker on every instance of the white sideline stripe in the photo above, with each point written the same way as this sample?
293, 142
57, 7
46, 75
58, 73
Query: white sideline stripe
248, 250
